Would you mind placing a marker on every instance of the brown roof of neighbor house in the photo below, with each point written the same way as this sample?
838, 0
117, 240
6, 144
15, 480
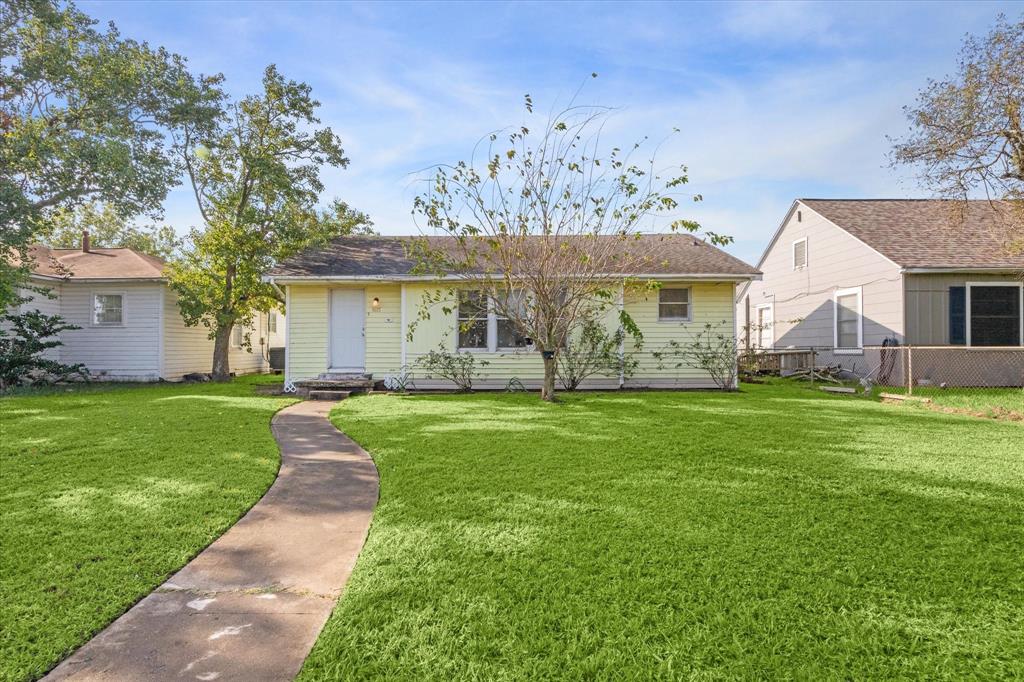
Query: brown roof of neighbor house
76, 264
366, 256
926, 233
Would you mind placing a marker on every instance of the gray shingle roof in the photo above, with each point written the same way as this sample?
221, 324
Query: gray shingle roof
365, 256
925, 233
75, 264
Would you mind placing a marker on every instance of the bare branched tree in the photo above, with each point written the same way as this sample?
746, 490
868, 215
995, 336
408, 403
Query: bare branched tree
967, 137
547, 227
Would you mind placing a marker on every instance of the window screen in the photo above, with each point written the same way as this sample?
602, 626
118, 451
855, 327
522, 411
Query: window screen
673, 304
847, 321
508, 335
108, 309
995, 316
472, 319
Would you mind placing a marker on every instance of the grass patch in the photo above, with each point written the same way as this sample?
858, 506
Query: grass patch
997, 403
106, 490
772, 533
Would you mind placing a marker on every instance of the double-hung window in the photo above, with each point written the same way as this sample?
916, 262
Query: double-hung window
849, 320
472, 319
483, 324
108, 310
272, 323
674, 305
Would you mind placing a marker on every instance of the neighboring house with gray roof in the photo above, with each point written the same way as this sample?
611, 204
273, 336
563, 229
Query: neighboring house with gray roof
130, 325
846, 274
352, 306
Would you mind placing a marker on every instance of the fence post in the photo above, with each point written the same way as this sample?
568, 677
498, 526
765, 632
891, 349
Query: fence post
910, 370
813, 363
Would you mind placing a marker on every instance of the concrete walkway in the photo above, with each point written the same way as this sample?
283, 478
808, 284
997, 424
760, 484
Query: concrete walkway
250, 606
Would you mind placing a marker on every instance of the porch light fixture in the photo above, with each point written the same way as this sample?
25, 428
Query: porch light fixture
375, 304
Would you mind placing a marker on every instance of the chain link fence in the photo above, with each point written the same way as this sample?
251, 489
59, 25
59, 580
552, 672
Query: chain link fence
909, 369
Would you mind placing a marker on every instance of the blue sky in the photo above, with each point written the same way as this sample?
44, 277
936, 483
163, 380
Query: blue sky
773, 100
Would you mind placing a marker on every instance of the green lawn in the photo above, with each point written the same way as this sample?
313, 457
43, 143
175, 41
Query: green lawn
775, 533
1006, 403
104, 492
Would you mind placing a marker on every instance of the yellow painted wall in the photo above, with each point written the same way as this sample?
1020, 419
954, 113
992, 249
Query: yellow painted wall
308, 334
308, 319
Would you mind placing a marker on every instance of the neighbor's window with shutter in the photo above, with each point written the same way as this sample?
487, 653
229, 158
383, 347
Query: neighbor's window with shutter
108, 309
674, 305
472, 316
799, 253
995, 314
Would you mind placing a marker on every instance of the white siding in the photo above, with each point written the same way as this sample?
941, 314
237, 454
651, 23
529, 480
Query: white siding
129, 351
45, 305
189, 349
802, 298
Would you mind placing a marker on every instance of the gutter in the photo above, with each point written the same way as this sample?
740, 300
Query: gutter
289, 279
955, 271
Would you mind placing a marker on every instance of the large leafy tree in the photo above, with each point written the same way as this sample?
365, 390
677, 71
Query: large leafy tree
256, 180
84, 114
107, 228
967, 132
546, 224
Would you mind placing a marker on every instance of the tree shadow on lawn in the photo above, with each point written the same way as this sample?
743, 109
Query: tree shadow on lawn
100, 507
840, 536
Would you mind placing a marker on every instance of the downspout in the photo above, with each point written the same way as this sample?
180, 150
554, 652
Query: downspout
622, 337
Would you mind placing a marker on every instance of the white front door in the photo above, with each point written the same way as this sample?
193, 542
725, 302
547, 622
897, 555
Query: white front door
347, 331
765, 332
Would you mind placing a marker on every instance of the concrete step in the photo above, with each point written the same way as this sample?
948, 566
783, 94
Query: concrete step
344, 376
328, 395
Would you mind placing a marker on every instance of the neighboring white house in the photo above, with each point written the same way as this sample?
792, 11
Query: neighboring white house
130, 325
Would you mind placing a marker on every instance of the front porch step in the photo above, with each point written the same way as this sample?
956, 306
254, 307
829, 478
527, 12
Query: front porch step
328, 395
344, 376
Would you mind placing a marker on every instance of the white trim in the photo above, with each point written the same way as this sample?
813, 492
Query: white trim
622, 337
967, 309
93, 293
287, 336
859, 350
957, 271
404, 322
161, 364
297, 279
330, 331
757, 307
689, 306
807, 254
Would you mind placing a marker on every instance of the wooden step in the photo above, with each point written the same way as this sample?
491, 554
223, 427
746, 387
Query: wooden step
328, 395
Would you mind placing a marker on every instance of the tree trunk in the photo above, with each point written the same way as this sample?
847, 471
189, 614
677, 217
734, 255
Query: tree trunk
221, 354
548, 391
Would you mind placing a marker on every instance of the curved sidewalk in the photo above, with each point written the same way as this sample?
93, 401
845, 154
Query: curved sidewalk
251, 605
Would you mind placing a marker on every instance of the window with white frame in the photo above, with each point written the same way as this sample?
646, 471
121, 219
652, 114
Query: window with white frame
507, 336
108, 309
237, 335
800, 253
849, 320
482, 327
272, 322
994, 312
472, 316
674, 304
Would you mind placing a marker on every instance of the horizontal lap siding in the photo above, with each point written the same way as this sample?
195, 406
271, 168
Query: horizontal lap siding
803, 299
45, 305
129, 351
711, 303
307, 331
383, 329
189, 350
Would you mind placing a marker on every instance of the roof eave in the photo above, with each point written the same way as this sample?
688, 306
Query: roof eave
306, 279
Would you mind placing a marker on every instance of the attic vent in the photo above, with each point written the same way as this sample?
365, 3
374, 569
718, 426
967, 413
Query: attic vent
799, 216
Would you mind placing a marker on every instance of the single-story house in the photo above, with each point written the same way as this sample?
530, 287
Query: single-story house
352, 306
130, 325
842, 275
